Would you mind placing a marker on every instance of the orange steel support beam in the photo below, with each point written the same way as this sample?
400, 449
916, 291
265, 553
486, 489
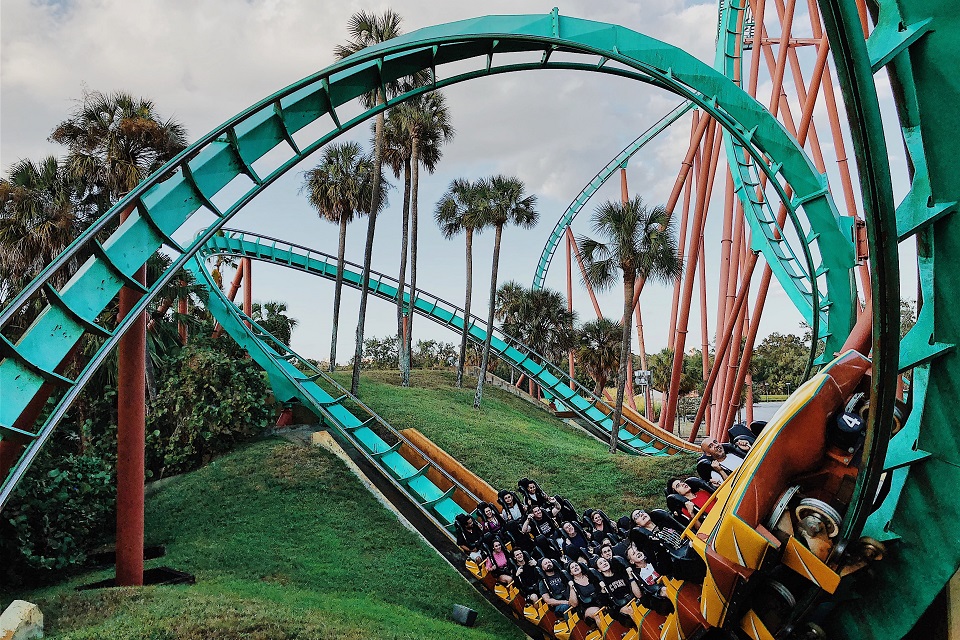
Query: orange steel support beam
232, 295
647, 394
726, 245
182, 309
751, 336
687, 162
728, 372
583, 273
247, 287
794, 42
687, 182
704, 329
668, 411
725, 340
738, 268
731, 396
838, 143
237, 279
131, 437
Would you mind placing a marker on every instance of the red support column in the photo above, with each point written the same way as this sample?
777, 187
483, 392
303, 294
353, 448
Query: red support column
647, 393
583, 272
182, 309
668, 411
247, 288
131, 435
10, 452
681, 241
704, 328
724, 339
234, 288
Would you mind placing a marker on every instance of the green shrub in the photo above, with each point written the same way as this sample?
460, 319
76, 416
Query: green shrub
210, 399
55, 517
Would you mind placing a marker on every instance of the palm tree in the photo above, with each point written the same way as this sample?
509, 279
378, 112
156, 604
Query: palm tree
640, 243
396, 155
39, 217
463, 208
508, 204
366, 29
272, 316
548, 324
340, 187
114, 141
427, 121
537, 318
598, 350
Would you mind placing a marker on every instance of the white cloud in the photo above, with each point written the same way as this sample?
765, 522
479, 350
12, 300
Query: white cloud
204, 60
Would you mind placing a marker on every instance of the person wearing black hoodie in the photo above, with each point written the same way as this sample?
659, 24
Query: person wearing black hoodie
526, 578
469, 536
533, 495
545, 531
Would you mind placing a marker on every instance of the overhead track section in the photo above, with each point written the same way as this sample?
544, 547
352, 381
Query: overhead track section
641, 437
439, 496
576, 206
252, 150
815, 269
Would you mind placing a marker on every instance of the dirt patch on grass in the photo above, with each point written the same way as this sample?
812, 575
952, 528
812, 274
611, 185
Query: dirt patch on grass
295, 465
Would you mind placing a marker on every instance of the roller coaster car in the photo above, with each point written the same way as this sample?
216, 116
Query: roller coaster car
770, 539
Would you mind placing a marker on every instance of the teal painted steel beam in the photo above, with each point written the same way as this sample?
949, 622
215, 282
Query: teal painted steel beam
555, 381
192, 180
919, 43
274, 357
829, 309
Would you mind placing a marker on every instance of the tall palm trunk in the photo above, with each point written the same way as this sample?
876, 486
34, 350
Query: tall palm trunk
466, 308
642, 348
368, 248
414, 224
493, 301
628, 283
405, 239
337, 290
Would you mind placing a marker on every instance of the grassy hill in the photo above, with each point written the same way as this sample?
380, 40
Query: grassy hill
509, 438
286, 543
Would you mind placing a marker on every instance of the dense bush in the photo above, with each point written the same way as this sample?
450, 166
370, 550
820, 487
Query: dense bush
211, 397
56, 516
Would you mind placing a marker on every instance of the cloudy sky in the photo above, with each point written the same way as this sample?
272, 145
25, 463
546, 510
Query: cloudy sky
202, 61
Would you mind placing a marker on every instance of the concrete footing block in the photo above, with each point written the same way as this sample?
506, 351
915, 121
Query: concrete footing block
22, 620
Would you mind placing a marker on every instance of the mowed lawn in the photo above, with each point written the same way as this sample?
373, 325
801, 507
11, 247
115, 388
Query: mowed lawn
509, 438
285, 544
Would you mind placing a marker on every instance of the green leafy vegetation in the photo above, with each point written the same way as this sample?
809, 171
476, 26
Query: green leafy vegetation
212, 398
285, 543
